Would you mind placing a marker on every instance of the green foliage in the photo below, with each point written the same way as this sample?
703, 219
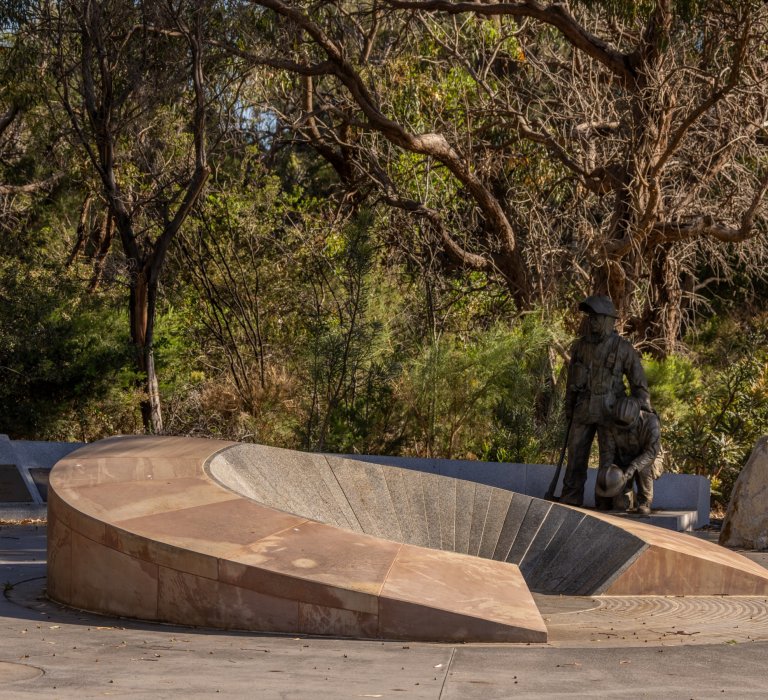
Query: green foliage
300, 312
346, 354
714, 404
674, 382
487, 395
353, 354
61, 360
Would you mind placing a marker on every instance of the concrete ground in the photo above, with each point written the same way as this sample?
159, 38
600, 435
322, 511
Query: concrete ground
612, 647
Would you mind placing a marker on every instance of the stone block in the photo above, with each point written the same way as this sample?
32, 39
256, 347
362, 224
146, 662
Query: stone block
518, 507
446, 497
581, 557
498, 507
440, 596
417, 507
405, 492
606, 557
297, 477
366, 490
746, 521
34, 453
235, 468
7, 451
59, 585
529, 528
320, 619
430, 484
480, 507
195, 600
313, 563
680, 573
465, 502
551, 540
342, 507
111, 582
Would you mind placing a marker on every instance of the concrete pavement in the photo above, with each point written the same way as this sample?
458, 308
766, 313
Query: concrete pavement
50, 651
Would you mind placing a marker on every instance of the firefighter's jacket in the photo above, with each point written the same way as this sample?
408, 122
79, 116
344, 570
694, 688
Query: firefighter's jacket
596, 378
637, 445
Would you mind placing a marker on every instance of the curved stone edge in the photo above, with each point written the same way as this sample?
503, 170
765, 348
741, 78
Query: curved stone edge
679, 564
137, 529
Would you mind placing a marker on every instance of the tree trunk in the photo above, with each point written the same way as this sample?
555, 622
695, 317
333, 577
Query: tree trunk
661, 322
151, 413
142, 316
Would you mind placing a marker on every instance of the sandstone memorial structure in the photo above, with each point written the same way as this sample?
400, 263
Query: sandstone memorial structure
240, 536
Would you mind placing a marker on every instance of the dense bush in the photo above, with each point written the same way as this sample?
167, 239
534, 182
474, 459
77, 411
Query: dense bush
714, 402
283, 326
63, 360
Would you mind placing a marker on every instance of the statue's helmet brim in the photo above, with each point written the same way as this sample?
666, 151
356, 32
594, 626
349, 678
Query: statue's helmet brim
599, 304
610, 482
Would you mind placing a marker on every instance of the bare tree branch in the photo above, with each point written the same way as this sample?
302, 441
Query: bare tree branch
554, 14
31, 187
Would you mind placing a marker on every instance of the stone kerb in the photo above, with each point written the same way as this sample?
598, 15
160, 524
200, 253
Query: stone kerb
138, 529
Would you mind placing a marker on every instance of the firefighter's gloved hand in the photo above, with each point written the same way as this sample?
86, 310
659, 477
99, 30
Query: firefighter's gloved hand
630, 472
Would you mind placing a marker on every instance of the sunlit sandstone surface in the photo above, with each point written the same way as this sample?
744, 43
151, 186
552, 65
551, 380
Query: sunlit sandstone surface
237, 536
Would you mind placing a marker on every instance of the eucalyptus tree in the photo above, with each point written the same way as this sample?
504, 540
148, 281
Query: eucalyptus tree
29, 155
345, 105
657, 113
598, 146
131, 78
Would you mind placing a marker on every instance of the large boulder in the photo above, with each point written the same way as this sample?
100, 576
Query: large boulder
746, 522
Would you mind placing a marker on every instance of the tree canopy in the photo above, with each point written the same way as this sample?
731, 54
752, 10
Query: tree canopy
363, 226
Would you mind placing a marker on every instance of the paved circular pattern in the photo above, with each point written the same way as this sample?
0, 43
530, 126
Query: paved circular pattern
656, 620
709, 609
572, 621
10, 672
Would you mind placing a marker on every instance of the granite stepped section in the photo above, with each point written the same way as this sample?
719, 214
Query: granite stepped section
681, 501
558, 549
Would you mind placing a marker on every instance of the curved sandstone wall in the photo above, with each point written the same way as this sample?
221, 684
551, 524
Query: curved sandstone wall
137, 528
217, 534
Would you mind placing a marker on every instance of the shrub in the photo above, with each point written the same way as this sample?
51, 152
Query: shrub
714, 404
